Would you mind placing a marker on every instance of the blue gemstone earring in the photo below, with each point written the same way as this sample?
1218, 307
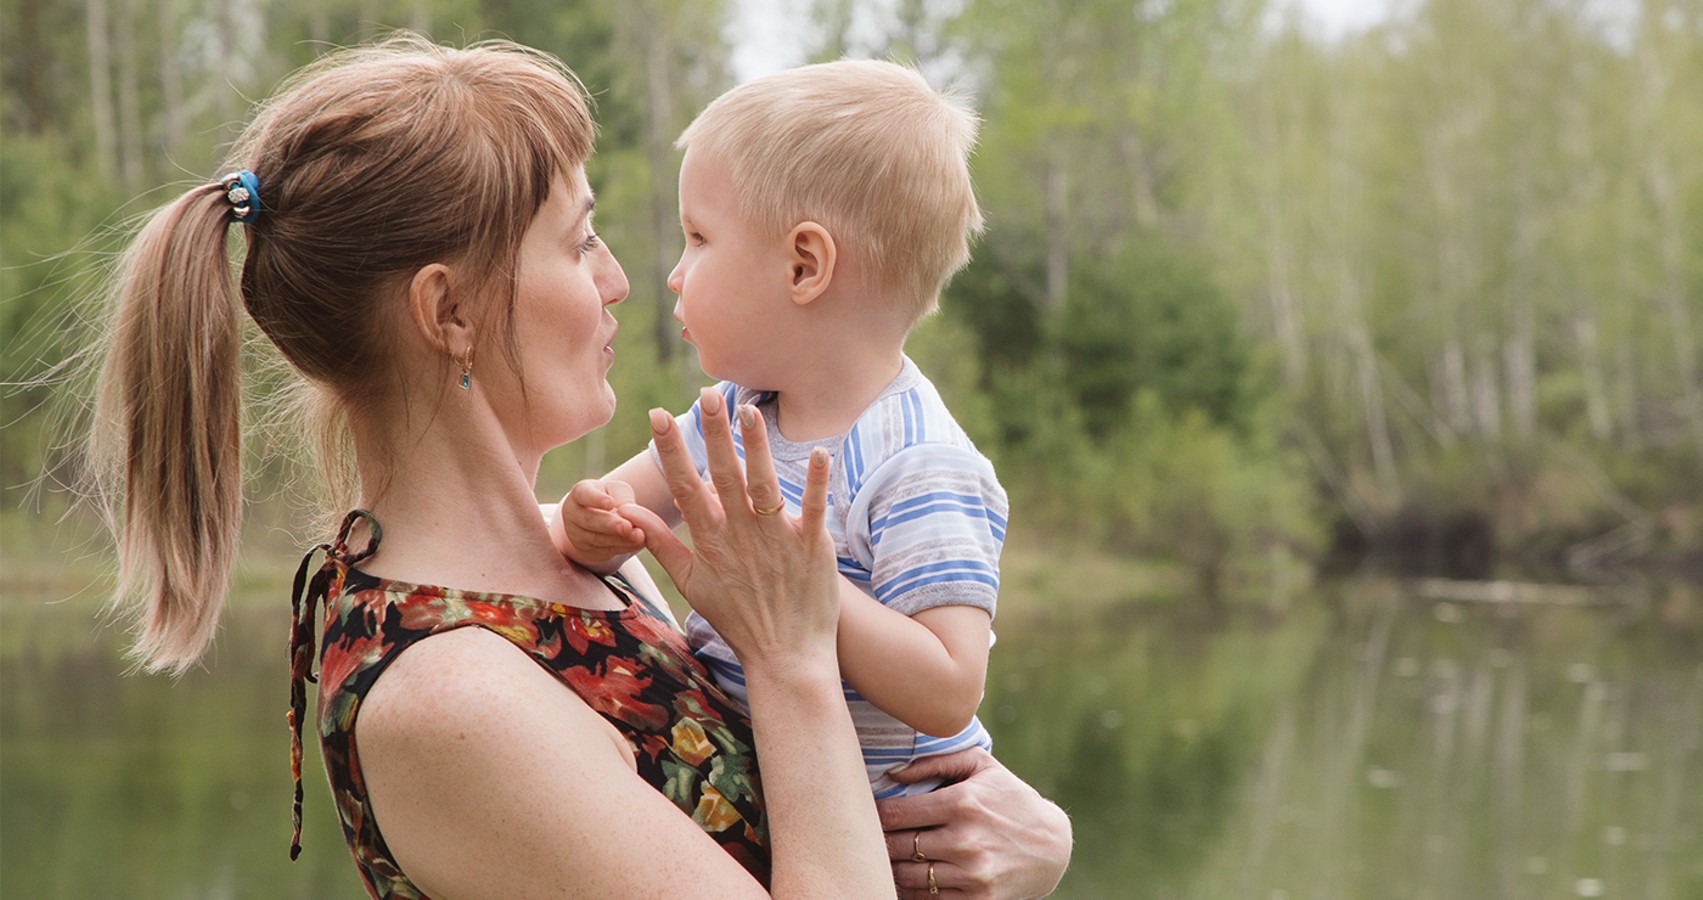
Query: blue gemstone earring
467, 369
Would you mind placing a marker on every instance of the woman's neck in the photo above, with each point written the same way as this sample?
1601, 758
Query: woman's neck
459, 510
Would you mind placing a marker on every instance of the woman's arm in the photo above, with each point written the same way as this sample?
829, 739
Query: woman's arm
986, 833
493, 780
768, 585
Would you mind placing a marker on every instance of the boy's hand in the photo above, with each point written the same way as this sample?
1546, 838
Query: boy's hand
597, 532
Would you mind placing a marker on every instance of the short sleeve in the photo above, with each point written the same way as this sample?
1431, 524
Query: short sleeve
935, 516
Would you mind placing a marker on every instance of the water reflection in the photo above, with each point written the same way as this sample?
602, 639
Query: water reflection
1390, 747
1380, 746
144, 787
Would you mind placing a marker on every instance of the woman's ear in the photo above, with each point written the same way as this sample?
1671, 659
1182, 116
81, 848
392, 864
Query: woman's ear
437, 312
811, 254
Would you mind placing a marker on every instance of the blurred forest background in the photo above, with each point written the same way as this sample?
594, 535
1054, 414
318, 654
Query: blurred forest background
1258, 299
1253, 295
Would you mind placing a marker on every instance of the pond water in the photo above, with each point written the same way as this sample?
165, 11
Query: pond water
1364, 744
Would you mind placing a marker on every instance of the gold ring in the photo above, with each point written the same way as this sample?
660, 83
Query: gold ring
770, 510
916, 847
932, 887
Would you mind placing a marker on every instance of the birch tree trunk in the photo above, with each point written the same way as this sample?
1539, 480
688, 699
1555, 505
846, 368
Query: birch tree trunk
1143, 194
173, 119
229, 102
1519, 356
1665, 188
1626, 395
1058, 229
1590, 367
1452, 275
834, 17
1449, 388
1372, 411
1519, 364
32, 70
1346, 193
1670, 292
1279, 249
100, 87
1486, 394
1589, 185
659, 155
132, 158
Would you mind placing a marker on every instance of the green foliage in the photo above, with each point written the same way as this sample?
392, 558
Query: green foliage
994, 298
50, 261
1177, 487
1151, 319
1461, 244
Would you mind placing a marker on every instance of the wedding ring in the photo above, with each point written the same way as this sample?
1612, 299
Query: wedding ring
916, 847
770, 510
933, 888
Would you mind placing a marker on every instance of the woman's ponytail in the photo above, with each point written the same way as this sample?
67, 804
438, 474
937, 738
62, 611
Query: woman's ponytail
373, 162
168, 434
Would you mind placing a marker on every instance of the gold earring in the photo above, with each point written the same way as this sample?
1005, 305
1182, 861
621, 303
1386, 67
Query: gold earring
466, 361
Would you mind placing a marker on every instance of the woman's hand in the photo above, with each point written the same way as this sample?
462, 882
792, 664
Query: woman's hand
984, 834
768, 583
764, 579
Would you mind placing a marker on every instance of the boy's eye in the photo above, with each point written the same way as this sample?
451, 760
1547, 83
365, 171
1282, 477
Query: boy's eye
694, 237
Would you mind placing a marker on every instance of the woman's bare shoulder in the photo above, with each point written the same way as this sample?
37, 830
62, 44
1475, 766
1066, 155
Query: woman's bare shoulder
466, 684
493, 779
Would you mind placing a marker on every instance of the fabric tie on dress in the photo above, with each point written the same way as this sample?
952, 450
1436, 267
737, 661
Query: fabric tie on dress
302, 621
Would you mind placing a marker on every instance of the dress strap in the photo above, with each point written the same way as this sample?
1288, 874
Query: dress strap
303, 609
340, 548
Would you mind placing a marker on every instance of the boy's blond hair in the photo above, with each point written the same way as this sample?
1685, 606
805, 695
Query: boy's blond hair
864, 147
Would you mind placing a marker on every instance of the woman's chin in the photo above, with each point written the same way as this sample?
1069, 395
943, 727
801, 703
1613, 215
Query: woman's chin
606, 410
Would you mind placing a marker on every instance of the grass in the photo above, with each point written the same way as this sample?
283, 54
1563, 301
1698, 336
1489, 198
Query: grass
67, 556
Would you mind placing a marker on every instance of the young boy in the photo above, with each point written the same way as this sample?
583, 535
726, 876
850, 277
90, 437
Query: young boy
823, 209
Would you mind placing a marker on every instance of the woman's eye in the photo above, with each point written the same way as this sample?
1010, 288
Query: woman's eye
590, 243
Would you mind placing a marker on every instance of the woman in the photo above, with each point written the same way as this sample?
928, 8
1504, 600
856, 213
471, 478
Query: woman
419, 247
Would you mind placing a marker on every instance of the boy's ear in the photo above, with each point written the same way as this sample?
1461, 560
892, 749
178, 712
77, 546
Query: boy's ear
435, 309
811, 253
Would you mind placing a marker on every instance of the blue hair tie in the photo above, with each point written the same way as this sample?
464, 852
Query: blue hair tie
242, 189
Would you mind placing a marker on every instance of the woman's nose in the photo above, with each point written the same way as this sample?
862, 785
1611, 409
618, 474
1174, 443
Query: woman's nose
613, 284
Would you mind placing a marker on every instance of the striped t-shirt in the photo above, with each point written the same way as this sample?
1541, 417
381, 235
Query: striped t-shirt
918, 519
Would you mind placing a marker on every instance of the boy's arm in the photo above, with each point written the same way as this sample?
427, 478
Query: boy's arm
925, 670
928, 524
587, 528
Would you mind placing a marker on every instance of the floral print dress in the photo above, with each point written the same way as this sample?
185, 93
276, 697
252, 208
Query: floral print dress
631, 666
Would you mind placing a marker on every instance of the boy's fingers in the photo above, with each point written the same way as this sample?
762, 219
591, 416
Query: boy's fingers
718, 446
611, 530
677, 469
815, 502
590, 493
620, 493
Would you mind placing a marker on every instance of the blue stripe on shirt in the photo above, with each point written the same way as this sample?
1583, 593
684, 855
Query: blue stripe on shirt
955, 504
966, 570
890, 591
